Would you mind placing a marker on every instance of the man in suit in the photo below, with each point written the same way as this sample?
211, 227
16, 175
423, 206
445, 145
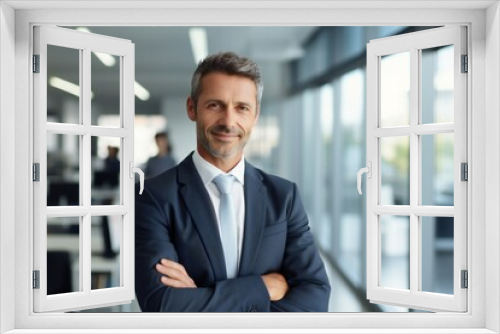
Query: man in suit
215, 233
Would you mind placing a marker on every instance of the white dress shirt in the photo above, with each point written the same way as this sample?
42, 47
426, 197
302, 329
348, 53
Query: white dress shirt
207, 173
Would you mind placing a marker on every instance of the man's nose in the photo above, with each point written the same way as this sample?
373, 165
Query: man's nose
228, 117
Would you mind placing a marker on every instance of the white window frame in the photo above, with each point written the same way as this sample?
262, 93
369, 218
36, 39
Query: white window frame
84, 43
483, 21
413, 43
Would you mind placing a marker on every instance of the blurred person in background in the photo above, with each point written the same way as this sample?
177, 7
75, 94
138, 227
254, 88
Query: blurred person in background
111, 162
163, 160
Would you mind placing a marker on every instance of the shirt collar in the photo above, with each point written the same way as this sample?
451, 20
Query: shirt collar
208, 171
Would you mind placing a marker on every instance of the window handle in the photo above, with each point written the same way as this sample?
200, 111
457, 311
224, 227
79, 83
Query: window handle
139, 171
368, 171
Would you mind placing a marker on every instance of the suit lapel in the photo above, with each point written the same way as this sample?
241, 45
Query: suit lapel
255, 204
198, 203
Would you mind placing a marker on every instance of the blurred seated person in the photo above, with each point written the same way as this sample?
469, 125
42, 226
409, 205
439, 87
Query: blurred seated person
163, 160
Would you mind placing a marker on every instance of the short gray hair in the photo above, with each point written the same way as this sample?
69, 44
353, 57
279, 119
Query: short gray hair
227, 63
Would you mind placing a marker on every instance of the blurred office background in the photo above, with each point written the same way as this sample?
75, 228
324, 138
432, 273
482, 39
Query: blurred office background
312, 130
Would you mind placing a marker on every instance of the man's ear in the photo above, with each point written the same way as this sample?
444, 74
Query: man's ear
191, 110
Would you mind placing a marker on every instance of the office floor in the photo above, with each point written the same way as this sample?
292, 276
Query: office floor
342, 298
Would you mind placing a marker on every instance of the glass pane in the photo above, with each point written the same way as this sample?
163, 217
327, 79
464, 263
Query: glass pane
63, 255
63, 170
106, 166
395, 170
395, 90
105, 89
437, 169
437, 84
351, 242
106, 236
324, 226
349, 153
437, 254
63, 84
395, 252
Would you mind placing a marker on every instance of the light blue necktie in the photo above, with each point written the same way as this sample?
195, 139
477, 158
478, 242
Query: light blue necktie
227, 218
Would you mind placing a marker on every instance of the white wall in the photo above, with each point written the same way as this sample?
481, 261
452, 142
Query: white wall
7, 159
492, 163
181, 130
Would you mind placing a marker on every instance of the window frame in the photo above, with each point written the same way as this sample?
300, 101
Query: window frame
84, 43
414, 43
483, 50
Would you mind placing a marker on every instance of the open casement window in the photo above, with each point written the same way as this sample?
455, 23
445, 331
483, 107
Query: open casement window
84, 206
416, 164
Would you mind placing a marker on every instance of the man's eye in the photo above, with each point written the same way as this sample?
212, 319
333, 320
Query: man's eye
214, 105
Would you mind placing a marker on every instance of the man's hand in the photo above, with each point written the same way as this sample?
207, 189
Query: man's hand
174, 274
276, 285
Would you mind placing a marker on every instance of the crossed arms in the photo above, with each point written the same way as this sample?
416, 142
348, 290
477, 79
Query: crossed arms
174, 277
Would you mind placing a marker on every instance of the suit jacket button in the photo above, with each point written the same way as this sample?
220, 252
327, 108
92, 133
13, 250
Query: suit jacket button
253, 308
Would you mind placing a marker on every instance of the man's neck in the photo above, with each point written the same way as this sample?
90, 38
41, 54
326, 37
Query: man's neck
224, 164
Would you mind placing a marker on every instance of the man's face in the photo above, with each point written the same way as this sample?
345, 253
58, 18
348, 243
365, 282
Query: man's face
225, 115
162, 143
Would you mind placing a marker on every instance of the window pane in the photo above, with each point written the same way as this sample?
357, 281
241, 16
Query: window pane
324, 226
63, 169
437, 169
106, 236
106, 166
63, 255
395, 170
437, 254
351, 243
395, 90
395, 252
63, 84
105, 88
437, 85
350, 155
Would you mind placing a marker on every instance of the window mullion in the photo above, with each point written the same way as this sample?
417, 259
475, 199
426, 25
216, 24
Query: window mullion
85, 246
414, 168
85, 174
85, 171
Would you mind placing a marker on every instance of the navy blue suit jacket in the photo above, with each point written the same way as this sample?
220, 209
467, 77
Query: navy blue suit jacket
175, 219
